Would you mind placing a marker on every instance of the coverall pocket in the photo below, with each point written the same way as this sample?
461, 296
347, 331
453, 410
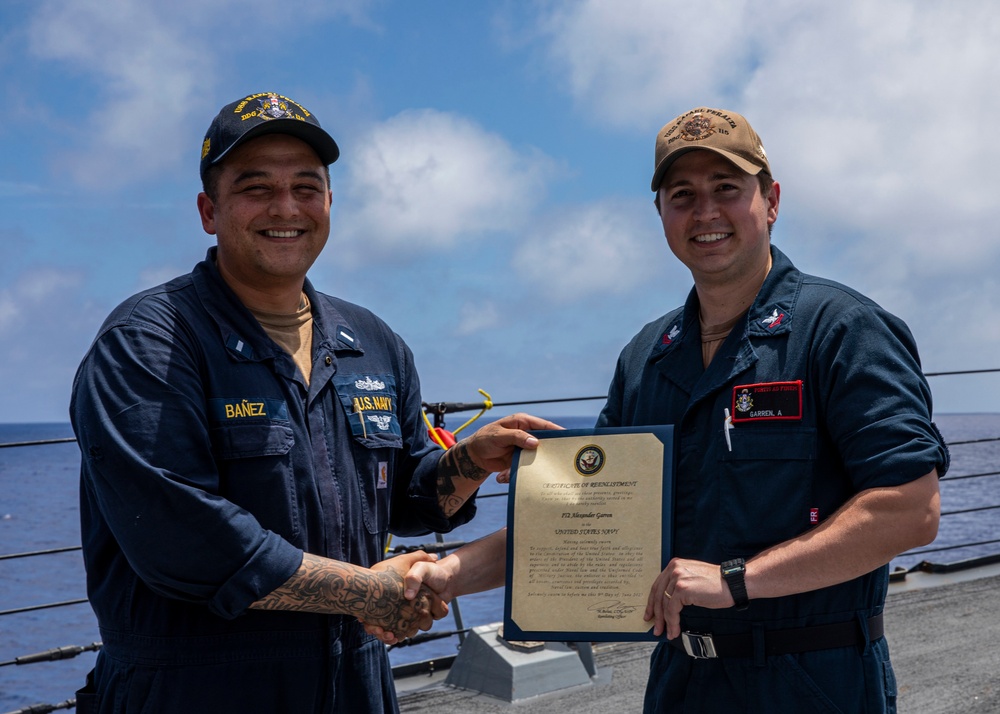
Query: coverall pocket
766, 487
128, 689
369, 401
800, 687
375, 468
255, 472
370, 406
247, 441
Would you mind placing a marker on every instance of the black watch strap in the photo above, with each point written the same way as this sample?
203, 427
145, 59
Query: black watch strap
734, 572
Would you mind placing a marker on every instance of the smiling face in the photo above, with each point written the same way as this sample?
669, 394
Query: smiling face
715, 218
270, 214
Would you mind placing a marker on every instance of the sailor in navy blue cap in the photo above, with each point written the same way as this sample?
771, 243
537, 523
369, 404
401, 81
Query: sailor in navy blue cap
248, 445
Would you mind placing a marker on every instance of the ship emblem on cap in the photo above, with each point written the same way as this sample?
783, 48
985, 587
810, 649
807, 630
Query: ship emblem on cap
272, 107
697, 128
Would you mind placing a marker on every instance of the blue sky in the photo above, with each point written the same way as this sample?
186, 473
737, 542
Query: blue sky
492, 201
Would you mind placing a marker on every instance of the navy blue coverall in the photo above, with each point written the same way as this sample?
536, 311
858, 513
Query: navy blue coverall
827, 399
209, 466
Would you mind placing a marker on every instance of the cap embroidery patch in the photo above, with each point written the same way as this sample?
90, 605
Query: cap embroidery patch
697, 128
271, 107
206, 145
767, 401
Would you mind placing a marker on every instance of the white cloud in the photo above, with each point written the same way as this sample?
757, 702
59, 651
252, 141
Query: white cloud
425, 179
154, 68
477, 317
148, 75
603, 248
637, 62
34, 291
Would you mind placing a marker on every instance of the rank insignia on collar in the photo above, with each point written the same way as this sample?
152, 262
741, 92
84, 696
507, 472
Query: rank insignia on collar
345, 336
668, 337
238, 345
773, 320
767, 401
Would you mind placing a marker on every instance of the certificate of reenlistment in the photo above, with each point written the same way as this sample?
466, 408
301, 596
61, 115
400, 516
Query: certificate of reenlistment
589, 524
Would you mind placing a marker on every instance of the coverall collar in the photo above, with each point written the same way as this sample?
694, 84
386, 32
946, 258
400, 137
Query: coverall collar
243, 336
678, 354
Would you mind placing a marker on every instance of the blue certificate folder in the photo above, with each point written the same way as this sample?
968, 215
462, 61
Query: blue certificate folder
589, 527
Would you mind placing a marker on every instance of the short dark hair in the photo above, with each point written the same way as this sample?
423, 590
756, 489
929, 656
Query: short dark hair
766, 182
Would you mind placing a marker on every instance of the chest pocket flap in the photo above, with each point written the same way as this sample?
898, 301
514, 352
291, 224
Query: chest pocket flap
369, 402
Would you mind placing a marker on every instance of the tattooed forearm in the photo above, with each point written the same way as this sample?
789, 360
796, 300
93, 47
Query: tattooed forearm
454, 465
447, 500
331, 587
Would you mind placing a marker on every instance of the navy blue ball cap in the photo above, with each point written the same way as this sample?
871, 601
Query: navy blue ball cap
259, 114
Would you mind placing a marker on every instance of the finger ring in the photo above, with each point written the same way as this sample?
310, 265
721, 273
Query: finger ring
669, 596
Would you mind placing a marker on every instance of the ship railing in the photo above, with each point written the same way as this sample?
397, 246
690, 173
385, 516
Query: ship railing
438, 410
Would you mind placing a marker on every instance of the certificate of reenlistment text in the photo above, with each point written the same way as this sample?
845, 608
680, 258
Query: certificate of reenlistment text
589, 525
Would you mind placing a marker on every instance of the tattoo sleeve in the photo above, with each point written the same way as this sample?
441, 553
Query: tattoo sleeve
331, 587
455, 465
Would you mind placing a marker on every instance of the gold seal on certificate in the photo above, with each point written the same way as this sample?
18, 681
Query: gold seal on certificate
588, 531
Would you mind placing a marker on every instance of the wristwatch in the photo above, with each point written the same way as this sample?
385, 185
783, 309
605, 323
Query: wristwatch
733, 572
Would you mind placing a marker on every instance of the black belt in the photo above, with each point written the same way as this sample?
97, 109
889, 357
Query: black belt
778, 642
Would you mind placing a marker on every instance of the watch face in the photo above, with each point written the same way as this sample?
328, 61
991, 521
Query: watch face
730, 567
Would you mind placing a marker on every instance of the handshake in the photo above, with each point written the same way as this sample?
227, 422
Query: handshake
408, 592
418, 587
415, 595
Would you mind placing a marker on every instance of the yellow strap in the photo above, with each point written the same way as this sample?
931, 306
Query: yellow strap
487, 404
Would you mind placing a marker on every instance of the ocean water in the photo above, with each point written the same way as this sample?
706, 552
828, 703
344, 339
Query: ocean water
39, 510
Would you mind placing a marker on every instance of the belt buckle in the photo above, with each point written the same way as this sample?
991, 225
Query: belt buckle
699, 646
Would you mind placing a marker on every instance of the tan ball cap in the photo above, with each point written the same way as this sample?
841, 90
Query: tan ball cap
724, 132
